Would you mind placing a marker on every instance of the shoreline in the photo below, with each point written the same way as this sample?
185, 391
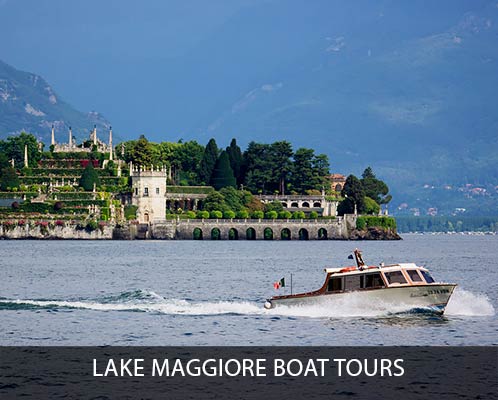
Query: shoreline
249, 229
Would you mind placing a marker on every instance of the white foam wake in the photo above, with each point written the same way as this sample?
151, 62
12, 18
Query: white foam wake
350, 306
467, 303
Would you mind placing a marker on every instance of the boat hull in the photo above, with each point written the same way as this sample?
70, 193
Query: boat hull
434, 297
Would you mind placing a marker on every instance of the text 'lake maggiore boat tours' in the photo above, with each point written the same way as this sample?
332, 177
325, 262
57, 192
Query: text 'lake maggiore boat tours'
403, 284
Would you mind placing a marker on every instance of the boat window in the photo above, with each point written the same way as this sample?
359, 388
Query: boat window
414, 276
372, 281
428, 278
352, 282
395, 277
334, 285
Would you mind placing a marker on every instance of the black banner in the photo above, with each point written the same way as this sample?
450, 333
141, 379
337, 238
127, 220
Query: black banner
249, 372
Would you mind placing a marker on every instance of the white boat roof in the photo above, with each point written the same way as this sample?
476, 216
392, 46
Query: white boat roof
387, 268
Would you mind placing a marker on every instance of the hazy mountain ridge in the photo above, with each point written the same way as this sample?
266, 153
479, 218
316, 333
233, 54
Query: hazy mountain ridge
420, 109
28, 103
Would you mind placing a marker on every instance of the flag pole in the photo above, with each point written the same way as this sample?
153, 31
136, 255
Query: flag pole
291, 283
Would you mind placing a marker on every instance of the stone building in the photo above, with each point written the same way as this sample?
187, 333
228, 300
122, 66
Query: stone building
148, 194
337, 182
72, 146
307, 203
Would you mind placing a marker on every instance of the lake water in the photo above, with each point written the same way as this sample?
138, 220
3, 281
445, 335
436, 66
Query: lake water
212, 293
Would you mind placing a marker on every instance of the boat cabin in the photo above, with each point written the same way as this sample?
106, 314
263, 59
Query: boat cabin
373, 277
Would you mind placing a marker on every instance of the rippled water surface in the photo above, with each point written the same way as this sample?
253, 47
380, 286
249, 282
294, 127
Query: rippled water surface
212, 293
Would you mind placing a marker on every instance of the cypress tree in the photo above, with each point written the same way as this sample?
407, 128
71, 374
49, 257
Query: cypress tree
223, 174
208, 161
235, 157
89, 177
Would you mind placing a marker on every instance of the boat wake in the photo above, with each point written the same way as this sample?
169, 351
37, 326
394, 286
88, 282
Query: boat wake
469, 304
137, 301
462, 303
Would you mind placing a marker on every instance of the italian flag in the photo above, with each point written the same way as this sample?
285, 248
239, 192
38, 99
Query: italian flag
281, 283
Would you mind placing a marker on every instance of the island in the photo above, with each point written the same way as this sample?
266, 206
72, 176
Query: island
182, 190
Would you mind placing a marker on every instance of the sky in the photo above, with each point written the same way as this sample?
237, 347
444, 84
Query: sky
98, 55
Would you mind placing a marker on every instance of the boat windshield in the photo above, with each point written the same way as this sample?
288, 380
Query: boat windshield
414, 276
428, 278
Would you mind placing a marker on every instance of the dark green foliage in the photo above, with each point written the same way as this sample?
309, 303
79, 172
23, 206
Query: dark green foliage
378, 222
191, 189
229, 214
42, 208
222, 175
258, 214
271, 215
130, 212
13, 148
375, 188
284, 214
215, 214
235, 157
208, 161
202, 214
89, 178
215, 234
313, 215
298, 215
234, 199
354, 195
458, 223
268, 234
58, 205
9, 179
309, 170
4, 160
197, 234
267, 166
142, 152
215, 201
91, 226
371, 206
274, 206
281, 152
242, 214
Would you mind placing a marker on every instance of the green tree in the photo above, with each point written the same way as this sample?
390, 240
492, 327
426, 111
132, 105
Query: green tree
274, 206
208, 161
371, 206
234, 199
353, 195
309, 171
222, 175
375, 188
142, 152
9, 179
280, 162
257, 171
215, 201
13, 148
235, 157
89, 178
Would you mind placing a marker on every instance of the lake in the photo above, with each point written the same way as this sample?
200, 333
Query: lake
212, 293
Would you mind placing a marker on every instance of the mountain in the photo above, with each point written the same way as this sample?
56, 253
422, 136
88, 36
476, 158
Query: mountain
406, 87
28, 103
368, 84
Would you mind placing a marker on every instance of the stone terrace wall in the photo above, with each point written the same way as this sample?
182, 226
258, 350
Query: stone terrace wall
57, 232
339, 228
